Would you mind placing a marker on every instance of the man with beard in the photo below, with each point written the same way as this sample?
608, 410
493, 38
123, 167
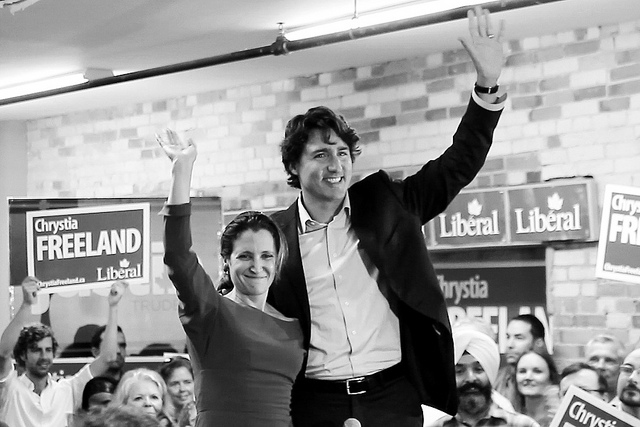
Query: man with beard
116, 368
628, 399
477, 361
34, 398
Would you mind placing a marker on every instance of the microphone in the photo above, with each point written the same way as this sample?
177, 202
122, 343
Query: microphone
351, 422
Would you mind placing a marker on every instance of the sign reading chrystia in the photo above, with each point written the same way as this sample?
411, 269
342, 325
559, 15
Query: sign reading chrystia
619, 245
580, 409
496, 294
89, 247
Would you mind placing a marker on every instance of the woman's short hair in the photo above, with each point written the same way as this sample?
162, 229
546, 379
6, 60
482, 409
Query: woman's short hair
29, 337
123, 391
97, 385
297, 133
167, 368
254, 221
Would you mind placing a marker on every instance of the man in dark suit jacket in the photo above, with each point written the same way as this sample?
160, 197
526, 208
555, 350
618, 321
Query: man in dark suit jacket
358, 275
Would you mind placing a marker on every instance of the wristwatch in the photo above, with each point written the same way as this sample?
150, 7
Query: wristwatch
484, 89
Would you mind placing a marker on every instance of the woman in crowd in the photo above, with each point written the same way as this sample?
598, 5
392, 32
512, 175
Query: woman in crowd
97, 394
119, 416
537, 381
178, 375
144, 389
246, 354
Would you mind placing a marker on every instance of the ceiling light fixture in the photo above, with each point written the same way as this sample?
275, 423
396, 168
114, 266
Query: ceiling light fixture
55, 82
42, 85
380, 16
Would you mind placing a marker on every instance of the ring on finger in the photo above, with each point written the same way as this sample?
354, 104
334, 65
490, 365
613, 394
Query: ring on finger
491, 36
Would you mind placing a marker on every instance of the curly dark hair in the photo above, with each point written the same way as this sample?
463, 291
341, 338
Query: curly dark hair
254, 221
297, 133
29, 337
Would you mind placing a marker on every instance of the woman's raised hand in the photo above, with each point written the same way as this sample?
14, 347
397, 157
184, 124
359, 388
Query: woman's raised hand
177, 149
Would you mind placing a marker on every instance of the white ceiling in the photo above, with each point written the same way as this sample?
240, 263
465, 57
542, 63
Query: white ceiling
52, 37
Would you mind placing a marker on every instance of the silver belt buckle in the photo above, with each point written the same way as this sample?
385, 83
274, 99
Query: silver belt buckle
356, 381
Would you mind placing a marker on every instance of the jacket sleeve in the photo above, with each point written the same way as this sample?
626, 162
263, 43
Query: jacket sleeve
429, 191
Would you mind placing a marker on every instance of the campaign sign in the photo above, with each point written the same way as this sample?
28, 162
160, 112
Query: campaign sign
580, 409
619, 244
550, 213
476, 217
496, 293
88, 247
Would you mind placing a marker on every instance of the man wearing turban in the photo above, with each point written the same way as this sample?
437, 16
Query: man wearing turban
477, 362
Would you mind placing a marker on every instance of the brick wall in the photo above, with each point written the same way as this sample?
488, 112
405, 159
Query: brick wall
574, 110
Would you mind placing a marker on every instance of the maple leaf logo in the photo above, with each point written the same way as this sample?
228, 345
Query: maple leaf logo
474, 207
124, 263
555, 202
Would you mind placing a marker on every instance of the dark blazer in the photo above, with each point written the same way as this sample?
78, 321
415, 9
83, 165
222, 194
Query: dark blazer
387, 216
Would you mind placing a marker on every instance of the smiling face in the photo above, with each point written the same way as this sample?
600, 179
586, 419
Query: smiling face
146, 394
252, 264
38, 358
532, 375
324, 170
180, 386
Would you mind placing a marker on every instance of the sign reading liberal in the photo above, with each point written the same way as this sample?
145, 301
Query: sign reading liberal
580, 409
554, 212
88, 247
619, 245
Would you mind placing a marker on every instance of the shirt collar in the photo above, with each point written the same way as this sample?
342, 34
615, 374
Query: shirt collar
494, 412
24, 379
304, 214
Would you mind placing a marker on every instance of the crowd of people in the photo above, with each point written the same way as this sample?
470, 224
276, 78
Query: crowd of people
528, 388
328, 313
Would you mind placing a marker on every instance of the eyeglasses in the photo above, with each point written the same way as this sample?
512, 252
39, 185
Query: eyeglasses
628, 369
598, 392
593, 391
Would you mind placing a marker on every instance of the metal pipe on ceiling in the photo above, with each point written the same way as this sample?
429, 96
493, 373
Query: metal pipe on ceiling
282, 46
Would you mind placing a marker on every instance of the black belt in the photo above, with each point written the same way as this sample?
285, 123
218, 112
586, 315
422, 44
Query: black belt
356, 385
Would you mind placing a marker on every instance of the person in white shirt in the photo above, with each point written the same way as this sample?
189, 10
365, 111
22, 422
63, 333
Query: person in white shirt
35, 398
358, 275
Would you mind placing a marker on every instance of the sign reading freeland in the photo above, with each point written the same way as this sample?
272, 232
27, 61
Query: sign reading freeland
495, 293
88, 247
619, 245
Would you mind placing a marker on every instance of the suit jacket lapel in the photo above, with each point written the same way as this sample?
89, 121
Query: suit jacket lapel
292, 271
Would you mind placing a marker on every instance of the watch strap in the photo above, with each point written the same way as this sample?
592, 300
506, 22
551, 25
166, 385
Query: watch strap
484, 89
